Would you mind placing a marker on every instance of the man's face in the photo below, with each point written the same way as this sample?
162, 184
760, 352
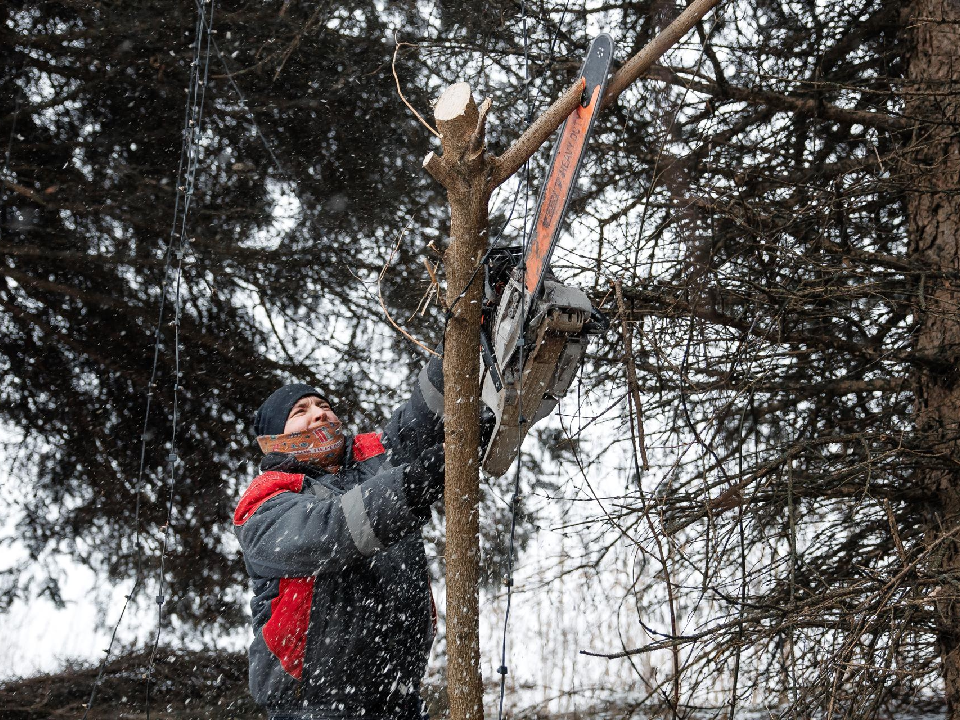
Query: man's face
308, 413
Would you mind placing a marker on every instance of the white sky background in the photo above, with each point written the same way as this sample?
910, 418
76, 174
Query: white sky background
39, 636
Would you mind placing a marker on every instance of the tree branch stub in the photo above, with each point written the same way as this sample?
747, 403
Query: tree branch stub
457, 119
438, 169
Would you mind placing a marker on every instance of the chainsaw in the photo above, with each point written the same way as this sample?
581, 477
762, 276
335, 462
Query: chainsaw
534, 328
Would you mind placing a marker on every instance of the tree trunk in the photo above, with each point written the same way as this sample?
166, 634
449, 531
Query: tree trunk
463, 170
932, 95
461, 372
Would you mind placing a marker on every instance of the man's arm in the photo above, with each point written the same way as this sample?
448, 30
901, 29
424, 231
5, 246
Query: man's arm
286, 533
417, 425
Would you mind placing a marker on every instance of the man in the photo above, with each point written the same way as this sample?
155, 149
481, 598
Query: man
343, 617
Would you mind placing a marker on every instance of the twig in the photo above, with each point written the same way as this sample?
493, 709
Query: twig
893, 530
476, 144
386, 312
434, 286
393, 67
424, 303
431, 271
295, 43
631, 372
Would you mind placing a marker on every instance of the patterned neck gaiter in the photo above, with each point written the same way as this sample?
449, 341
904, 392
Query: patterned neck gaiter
323, 446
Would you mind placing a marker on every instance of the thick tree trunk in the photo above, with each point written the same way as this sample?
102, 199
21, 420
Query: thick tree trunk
933, 172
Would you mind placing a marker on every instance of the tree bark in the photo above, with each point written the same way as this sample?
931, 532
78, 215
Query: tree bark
932, 172
463, 170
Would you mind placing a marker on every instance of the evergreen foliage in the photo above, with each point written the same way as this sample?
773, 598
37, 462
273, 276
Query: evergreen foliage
756, 197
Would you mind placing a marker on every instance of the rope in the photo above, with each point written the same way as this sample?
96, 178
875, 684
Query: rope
186, 174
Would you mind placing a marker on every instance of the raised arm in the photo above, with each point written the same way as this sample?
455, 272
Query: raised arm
417, 425
286, 533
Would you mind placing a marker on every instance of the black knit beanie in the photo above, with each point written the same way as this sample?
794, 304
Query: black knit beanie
272, 415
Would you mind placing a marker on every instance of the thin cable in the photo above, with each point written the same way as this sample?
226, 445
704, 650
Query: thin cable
503, 670
187, 159
556, 35
525, 182
138, 490
191, 142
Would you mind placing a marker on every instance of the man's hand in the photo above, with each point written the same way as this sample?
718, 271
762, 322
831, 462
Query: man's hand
423, 479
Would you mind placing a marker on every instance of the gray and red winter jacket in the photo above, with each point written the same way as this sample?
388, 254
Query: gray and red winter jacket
343, 617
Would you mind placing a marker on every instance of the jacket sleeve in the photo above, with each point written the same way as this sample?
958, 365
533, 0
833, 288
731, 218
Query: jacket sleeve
418, 423
286, 533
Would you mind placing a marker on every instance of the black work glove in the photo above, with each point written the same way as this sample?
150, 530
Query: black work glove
423, 479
